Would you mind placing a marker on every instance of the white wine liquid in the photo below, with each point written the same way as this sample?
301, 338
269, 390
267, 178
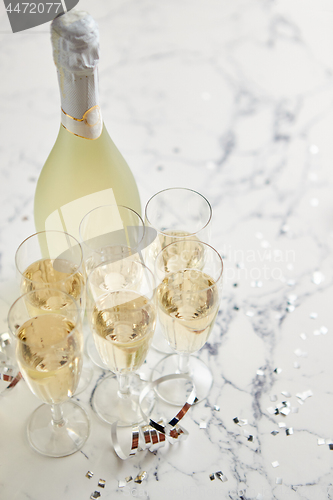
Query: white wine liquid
49, 357
187, 309
77, 168
123, 324
187, 251
48, 273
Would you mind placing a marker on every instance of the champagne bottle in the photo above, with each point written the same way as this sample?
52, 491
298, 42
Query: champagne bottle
84, 169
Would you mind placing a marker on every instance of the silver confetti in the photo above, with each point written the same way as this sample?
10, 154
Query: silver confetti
94, 495
221, 476
101, 483
292, 298
203, 424
261, 373
303, 336
286, 394
296, 365
242, 422
316, 332
212, 477
323, 330
275, 464
282, 425
317, 278
250, 313
290, 308
256, 284
300, 353
271, 410
278, 370
304, 395
313, 315
278, 480
275, 433
289, 431
89, 474
285, 411
285, 228
321, 441
216, 408
294, 410
121, 483
330, 446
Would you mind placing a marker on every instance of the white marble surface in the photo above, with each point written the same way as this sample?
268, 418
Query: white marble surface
234, 99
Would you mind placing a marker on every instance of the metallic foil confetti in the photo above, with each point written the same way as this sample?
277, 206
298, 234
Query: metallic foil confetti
323, 330
296, 365
314, 202
140, 477
290, 308
318, 278
275, 464
289, 431
292, 298
294, 410
128, 479
89, 474
154, 435
221, 476
285, 411
203, 424
121, 484
300, 353
242, 422
101, 483
321, 441
313, 315
303, 336
286, 394
94, 495
212, 477
278, 480
250, 438
261, 373
282, 425
216, 408
278, 370
235, 420
250, 313
331, 446
275, 433
304, 395
256, 284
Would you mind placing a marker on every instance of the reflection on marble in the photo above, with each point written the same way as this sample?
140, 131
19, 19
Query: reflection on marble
233, 99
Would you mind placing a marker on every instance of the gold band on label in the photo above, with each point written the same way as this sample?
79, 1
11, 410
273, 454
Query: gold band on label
84, 115
83, 119
81, 136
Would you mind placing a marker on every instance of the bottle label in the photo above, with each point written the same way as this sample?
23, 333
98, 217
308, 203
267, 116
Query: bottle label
90, 126
68, 217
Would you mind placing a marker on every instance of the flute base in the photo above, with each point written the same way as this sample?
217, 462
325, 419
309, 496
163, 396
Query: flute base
124, 410
53, 440
176, 392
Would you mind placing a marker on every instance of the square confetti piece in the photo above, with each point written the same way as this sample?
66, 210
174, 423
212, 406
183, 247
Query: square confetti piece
275, 464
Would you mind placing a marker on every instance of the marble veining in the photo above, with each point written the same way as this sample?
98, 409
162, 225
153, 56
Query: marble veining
235, 100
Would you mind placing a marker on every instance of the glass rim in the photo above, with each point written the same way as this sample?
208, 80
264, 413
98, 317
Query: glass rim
108, 292
216, 281
183, 189
23, 296
80, 265
111, 205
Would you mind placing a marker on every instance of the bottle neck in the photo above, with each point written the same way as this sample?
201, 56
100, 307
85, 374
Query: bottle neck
80, 111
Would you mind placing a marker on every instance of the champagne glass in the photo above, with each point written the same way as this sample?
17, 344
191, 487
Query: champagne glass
53, 259
187, 303
49, 352
109, 232
182, 216
122, 317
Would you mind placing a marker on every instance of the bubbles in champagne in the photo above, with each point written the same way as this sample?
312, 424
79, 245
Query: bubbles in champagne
123, 323
49, 356
188, 302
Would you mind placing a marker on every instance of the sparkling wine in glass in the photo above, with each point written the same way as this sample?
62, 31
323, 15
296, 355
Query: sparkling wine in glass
188, 301
53, 259
122, 319
181, 216
49, 352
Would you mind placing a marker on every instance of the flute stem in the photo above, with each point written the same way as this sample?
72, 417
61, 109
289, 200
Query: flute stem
184, 362
123, 385
57, 415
